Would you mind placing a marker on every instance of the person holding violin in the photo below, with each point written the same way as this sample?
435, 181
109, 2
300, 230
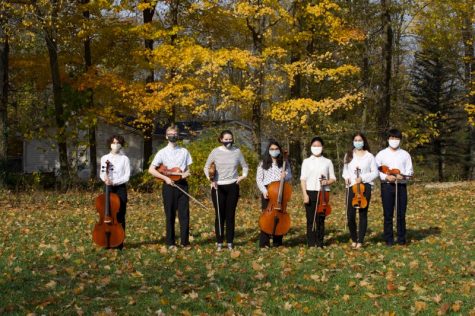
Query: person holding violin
174, 157
118, 175
225, 185
270, 170
395, 167
359, 172
316, 176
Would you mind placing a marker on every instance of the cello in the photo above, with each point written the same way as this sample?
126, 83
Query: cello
108, 232
359, 200
275, 220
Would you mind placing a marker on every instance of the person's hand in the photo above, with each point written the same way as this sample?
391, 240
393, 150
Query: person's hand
283, 174
306, 198
399, 177
390, 178
265, 195
186, 174
169, 181
108, 181
325, 182
347, 182
239, 179
214, 185
358, 180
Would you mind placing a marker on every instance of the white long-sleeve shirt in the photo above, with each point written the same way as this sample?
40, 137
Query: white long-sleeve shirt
119, 165
264, 177
395, 159
367, 166
313, 168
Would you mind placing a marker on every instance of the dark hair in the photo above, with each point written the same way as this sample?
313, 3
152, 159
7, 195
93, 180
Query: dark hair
267, 159
226, 131
119, 138
394, 133
349, 153
317, 138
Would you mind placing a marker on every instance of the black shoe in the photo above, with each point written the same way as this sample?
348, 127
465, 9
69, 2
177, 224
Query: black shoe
389, 243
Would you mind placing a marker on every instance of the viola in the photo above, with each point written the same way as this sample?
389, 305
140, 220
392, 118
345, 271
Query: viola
108, 232
323, 199
175, 174
212, 171
359, 200
275, 220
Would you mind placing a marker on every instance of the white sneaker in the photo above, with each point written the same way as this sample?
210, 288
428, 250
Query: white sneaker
359, 246
219, 247
230, 246
353, 245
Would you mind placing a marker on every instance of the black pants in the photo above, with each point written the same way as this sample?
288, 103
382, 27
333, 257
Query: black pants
388, 196
173, 200
264, 239
121, 191
358, 235
314, 237
228, 196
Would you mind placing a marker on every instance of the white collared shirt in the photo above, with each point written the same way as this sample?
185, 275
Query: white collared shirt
395, 159
119, 165
313, 168
172, 157
367, 165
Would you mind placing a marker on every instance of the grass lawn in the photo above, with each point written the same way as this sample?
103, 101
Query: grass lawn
49, 265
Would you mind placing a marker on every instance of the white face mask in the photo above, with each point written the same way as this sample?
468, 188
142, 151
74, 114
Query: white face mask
316, 150
394, 143
116, 147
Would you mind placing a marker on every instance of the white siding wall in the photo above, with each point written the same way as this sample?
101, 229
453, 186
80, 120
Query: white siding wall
42, 155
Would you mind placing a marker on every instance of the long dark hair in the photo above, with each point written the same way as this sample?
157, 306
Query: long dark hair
349, 153
267, 159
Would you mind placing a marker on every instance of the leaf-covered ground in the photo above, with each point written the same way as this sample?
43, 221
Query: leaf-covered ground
49, 265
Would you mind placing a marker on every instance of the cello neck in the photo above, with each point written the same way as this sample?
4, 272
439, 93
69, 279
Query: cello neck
281, 184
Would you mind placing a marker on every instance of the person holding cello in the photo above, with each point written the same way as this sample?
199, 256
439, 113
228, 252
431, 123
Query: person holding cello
225, 180
174, 157
395, 168
316, 176
270, 170
359, 172
118, 174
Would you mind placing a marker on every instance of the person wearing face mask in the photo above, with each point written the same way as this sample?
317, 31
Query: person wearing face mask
313, 168
119, 174
174, 156
359, 157
270, 170
226, 158
393, 188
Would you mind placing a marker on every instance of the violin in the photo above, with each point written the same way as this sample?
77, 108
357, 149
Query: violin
212, 171
275, 220
359, 200
175, 174
323, 198
391, 172
108, 232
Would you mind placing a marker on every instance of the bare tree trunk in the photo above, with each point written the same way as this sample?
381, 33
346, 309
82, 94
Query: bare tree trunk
257, 40
90, 104
148, 131
4, 56
51, 44
387, 52
468, 34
